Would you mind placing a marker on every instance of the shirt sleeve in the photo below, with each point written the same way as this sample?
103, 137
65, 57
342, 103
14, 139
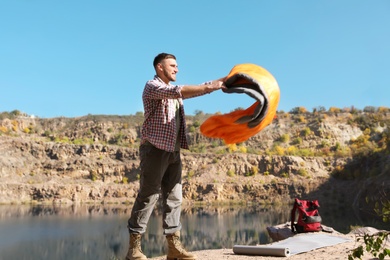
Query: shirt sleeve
157, 90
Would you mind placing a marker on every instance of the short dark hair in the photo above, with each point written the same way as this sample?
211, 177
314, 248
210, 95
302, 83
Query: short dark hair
162, 56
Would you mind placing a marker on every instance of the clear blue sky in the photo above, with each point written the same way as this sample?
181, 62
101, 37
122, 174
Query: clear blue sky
77, 57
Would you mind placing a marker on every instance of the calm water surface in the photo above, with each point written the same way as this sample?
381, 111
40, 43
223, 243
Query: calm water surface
99, 232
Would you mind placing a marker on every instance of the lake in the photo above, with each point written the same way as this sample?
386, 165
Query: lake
99, 231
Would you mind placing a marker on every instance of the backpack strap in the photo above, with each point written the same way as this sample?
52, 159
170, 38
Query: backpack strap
293, 215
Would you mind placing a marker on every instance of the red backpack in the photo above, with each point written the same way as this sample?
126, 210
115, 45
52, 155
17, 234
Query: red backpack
309, 220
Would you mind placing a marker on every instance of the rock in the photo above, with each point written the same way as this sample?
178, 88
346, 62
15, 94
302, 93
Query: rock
366, 231
280, 232
283, 231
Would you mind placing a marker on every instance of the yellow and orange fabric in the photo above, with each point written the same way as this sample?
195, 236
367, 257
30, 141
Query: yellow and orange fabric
238, 126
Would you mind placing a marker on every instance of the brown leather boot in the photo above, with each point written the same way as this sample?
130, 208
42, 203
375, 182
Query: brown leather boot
176, 250
135, 252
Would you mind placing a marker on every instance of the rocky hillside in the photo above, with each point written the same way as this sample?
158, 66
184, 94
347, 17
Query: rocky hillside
338, 157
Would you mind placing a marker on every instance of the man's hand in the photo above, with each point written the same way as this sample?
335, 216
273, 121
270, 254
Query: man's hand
215, 85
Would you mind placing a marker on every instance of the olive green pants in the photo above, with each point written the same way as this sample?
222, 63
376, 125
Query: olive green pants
160, 174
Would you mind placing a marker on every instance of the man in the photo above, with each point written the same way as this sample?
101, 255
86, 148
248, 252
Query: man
163, 134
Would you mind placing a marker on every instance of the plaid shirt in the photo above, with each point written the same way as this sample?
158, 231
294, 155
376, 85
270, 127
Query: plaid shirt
159, 127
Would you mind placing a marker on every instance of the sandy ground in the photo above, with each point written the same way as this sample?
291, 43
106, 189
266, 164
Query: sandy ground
340, 251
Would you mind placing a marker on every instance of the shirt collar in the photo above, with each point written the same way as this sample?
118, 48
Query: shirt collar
159, 79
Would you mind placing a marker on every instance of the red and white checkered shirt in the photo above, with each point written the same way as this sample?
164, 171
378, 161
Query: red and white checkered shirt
159, 127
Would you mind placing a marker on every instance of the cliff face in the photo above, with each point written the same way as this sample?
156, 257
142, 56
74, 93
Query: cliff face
56, 172
94, 159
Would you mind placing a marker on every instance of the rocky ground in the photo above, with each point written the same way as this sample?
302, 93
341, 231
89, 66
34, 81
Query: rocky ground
335, 252
339, 251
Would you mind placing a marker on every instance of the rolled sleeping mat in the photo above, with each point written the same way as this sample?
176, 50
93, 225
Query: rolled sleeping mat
239, 125
261, 250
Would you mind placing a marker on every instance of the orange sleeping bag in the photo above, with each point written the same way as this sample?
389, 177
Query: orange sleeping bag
238, 126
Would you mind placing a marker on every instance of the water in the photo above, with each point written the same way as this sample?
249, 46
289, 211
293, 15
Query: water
99, 232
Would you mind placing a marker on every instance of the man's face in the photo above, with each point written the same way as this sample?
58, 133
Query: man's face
169, 69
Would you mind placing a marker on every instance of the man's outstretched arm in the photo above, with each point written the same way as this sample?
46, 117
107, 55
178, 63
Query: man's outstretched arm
189, 91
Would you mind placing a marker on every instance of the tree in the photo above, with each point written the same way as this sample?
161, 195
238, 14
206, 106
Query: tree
369, 109
199, 112
298, 110
334, 110
319, 109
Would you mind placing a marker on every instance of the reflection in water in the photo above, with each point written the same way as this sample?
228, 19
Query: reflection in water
99, 232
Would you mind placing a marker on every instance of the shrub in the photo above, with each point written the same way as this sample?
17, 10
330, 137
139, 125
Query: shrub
369, 109
302, 172
305, 152
298, 110
232, 147
243, 149
192, 129
230, 173
334, 110
200, 148
117, 139
279, 150
3, 129
306, 131
285, 138
47, 133
383, 109
80, 141
253, 171
252, 150
221, 151
297, 141
190, 174
326, 151
215, 143
196, 124
93, 176
284, 175
292, 150
301, 119
337, 146
15, 125
373, 244
324, 144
